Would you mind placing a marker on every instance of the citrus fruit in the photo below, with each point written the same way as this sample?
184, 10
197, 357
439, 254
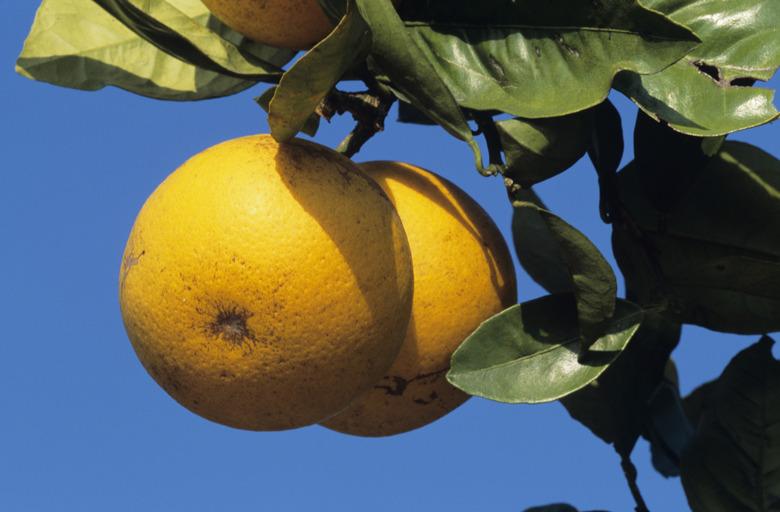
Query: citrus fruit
296, 24
463, 274
265, 285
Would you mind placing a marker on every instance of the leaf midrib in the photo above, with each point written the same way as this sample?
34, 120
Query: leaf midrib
541, 352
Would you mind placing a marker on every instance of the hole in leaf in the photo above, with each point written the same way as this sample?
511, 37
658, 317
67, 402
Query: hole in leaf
711, 71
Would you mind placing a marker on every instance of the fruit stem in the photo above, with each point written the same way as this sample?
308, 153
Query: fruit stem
369, 109
487, 128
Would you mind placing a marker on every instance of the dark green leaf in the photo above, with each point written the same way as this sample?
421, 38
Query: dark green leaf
538, 149
530, 353
667, 428
334, 9
408, 113
698, 401
532, 59
311, 78
667, 161
717, 253
401, 61
592, 279
556, 507
733, 462
537, 247
77, 44
605, 151
616, 406
171, 25
702, 94
605, 147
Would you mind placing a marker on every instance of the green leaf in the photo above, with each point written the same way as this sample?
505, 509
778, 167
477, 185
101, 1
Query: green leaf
616, 406
77, 44
408, 113
605, 147
668, 428
334, 9
536, 246
311, 78
741, 38
556, 507
698, 401
592, 279
311, 125
605, 151
733, 462
538, 149
717, 253
532, 59
703, 93
400, 60
667, 161
530, 353
172, 26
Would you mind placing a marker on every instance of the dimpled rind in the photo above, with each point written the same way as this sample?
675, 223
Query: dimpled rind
463, 274
296, 24
265, 285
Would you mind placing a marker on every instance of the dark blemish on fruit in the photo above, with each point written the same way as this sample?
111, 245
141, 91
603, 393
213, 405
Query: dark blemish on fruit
396, 386
129, 262
230, 324
431, 398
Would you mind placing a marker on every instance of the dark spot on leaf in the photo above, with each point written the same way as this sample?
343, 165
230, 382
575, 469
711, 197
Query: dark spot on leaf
497, 68
574, 52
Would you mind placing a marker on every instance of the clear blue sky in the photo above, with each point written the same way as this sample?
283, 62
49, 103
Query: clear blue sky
84, 428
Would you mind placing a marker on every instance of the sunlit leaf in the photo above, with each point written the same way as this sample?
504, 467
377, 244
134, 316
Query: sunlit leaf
699, 95
547, 59
77, 44
312, 77
173, 26
530, 353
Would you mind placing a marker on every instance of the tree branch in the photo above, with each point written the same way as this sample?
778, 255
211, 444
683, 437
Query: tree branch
368, 108
629, 470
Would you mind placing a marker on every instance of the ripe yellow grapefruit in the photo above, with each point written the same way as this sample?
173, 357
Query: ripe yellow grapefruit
266, 285
296, 24
463, 274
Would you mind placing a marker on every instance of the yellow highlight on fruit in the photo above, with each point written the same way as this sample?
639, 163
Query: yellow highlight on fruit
463, 274
265, 285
